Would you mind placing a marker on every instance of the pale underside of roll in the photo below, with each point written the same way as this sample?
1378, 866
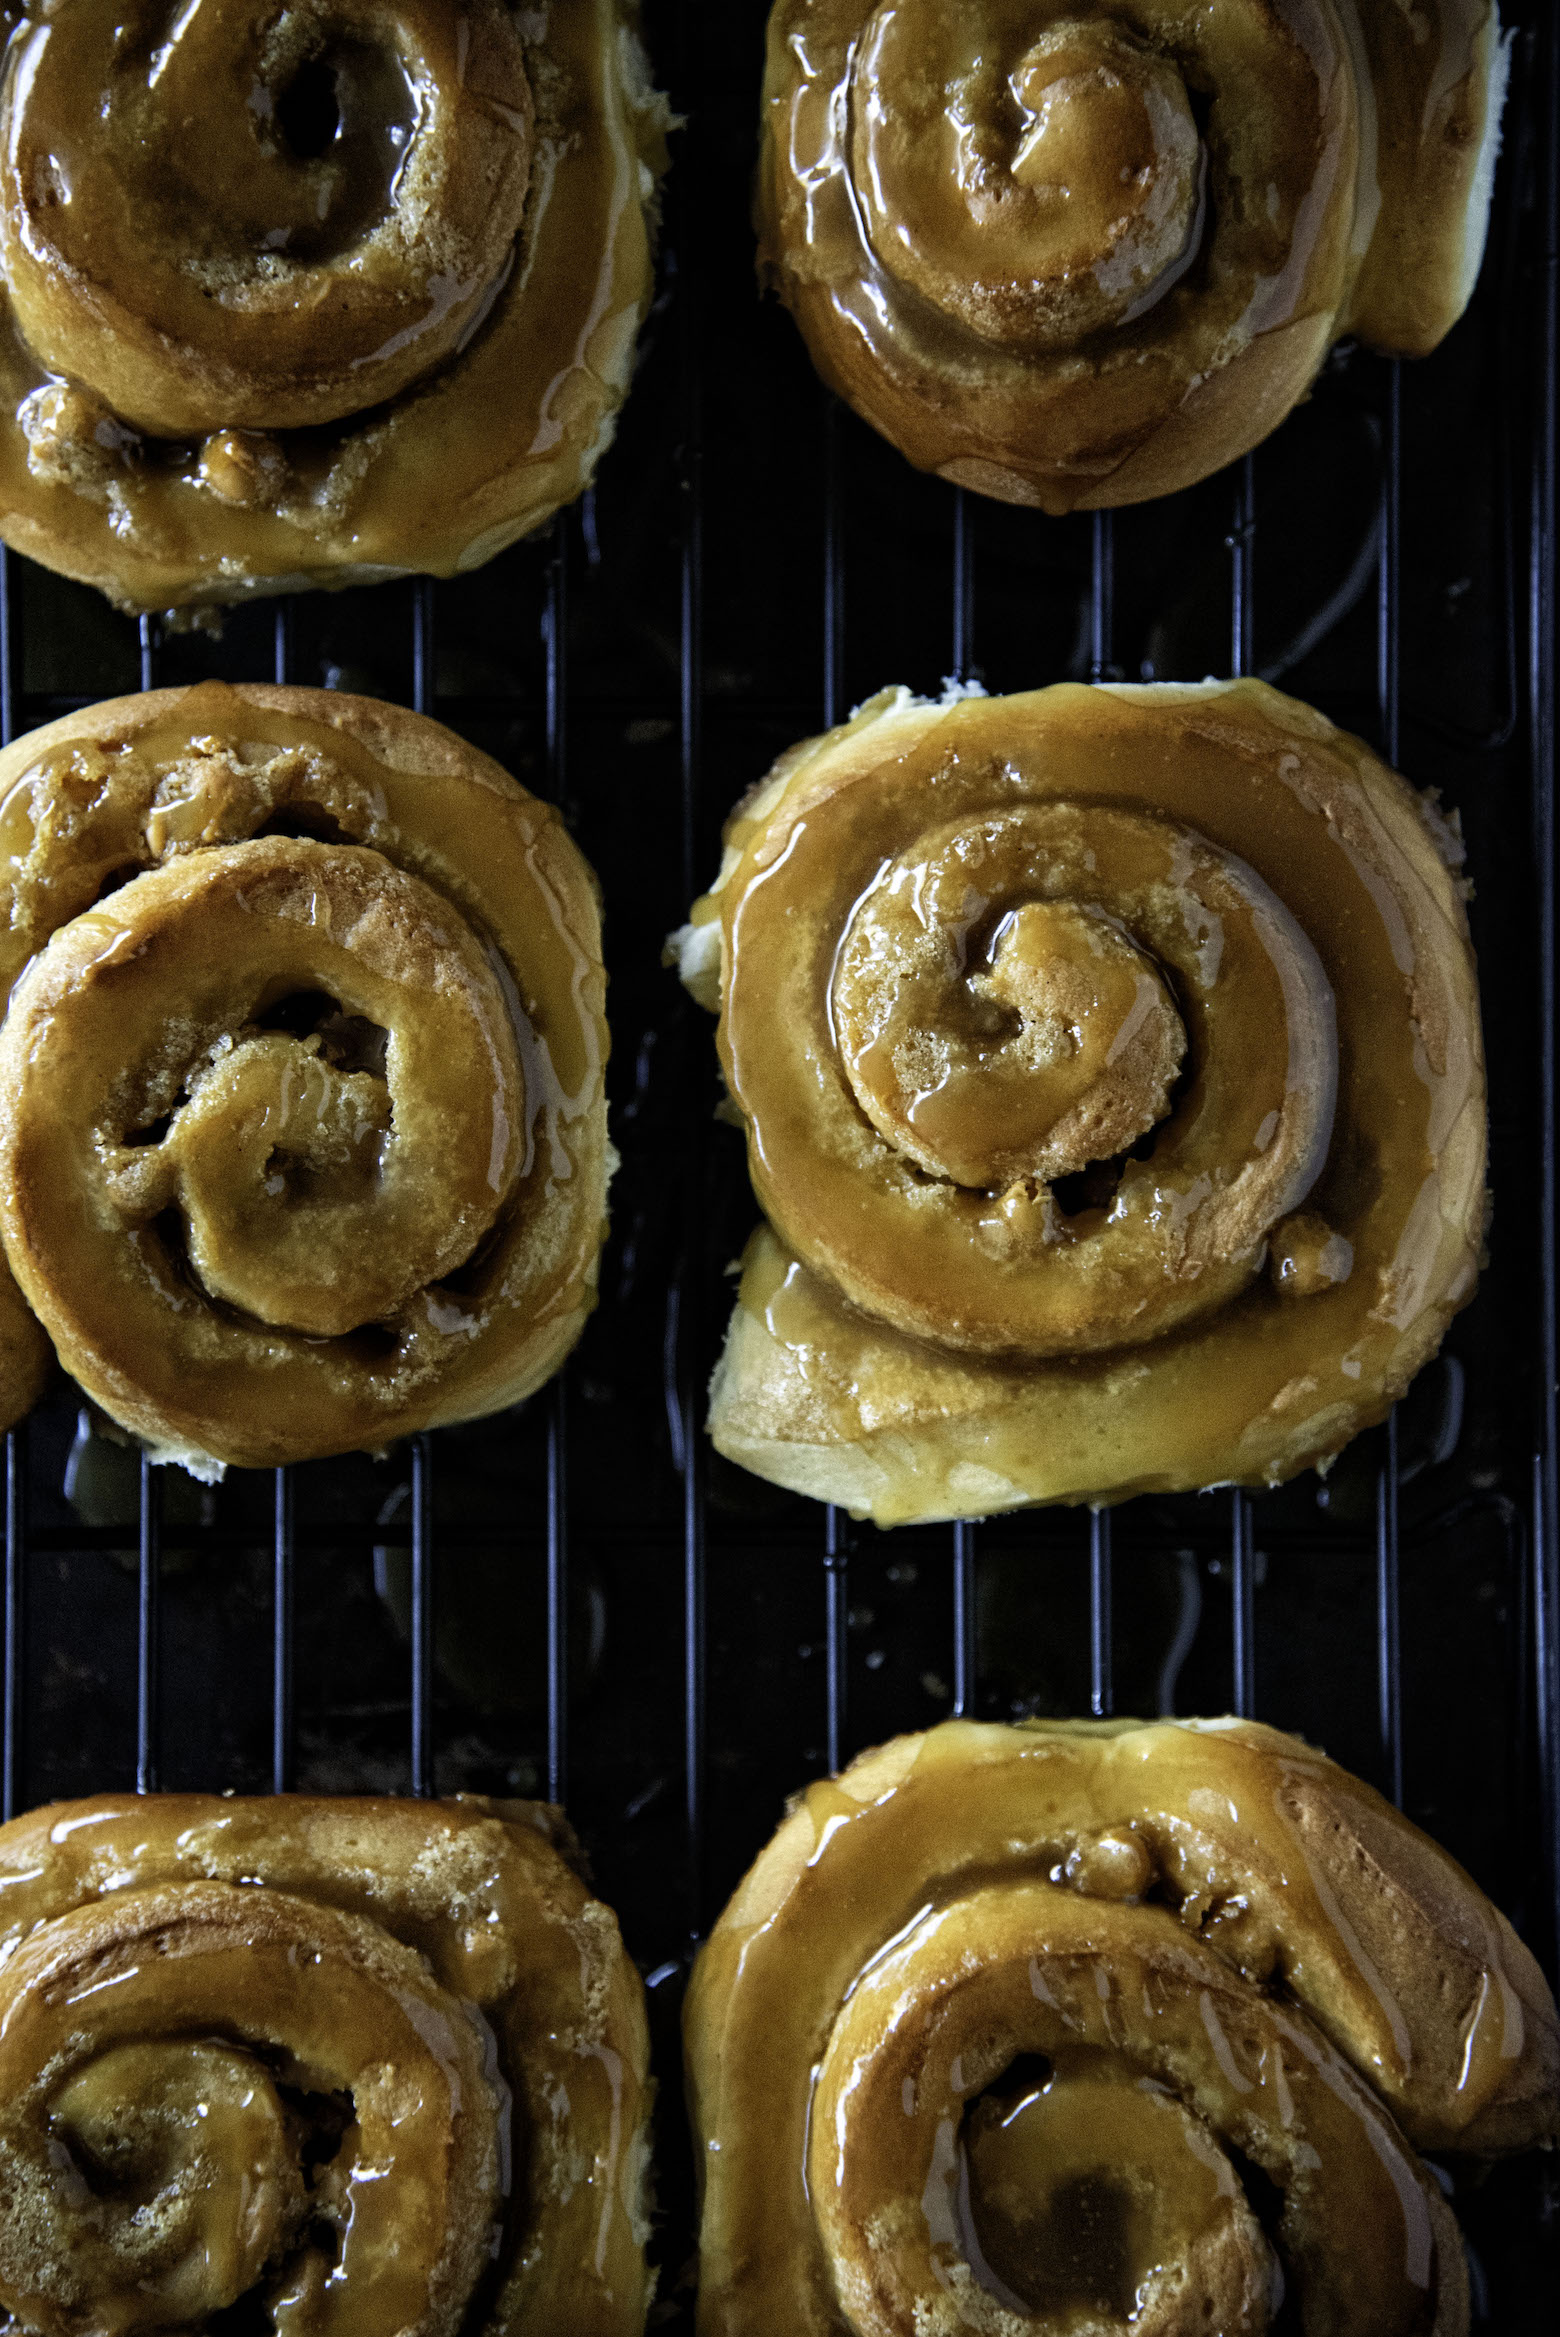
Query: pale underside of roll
1274, 1064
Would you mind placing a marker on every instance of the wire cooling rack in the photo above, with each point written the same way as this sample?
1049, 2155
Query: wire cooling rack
581, 1600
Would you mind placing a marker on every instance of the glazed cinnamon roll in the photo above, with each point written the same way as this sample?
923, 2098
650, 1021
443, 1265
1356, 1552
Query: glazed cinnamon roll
374, 2066
1081, 2025
1111, 1068
313, 291
302, 1115
1075, 257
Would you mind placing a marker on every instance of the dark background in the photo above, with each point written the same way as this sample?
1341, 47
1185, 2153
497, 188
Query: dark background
751, 563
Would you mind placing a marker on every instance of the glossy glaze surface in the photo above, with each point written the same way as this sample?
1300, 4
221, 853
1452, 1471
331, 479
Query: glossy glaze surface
936, 939
990, 1968
1078, 257
323, 990
172, 244
377, 307
361, 2065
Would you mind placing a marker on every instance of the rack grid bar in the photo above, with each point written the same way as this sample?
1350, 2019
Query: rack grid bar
422, 1615
963, 586
148, 1633
1389, 1634
836, 1587
1102, 598
558, 1593
284, 1543
1243, 1606
964, 1621
833, 568
282, 641
424, 683
1243, 561
1102, 1686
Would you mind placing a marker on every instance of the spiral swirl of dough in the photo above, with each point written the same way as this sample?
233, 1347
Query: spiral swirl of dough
1079, 257
303, 1130
320, 286
1060, 1027
1093, 2026
239, 283
370, 2067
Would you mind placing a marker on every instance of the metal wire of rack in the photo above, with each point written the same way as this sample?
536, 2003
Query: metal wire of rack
777, 1594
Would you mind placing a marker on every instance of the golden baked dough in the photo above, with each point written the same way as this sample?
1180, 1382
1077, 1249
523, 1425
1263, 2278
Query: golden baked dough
367, 2066
1111, 1066
302, 1113
313, 291
1076, 257
994, 2032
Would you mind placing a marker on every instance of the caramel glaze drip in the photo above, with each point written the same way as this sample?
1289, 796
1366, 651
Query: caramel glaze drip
360, 2067
1090, 2022
312, 1033
1111, 1069
265, 266
1077, 257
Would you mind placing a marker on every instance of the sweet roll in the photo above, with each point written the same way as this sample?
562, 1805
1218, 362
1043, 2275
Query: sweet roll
313, 292
1111, 1071
1075, 257
1089, 2026
302, 1114
367, 2066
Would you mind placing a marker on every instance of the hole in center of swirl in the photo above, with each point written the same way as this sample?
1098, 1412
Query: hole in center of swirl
308, 112
211, 2146
348, 1042
1080, 2179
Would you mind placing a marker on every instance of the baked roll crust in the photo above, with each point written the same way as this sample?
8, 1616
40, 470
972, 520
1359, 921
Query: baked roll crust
1078, 258
342, 289
997, 1993
302, 1109
1111, 1068
369, 2066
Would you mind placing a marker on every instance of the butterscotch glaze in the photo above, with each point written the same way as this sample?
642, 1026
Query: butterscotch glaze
951, 2026
366, 2066
304, 1115
1111, 1070
318, 292
1079, 256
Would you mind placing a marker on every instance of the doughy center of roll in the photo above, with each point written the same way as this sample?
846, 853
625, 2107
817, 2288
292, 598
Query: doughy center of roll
326, 1108
1034, 189
233, 215
192, 2163
239, 2096
1028, 1049
1081, 2185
